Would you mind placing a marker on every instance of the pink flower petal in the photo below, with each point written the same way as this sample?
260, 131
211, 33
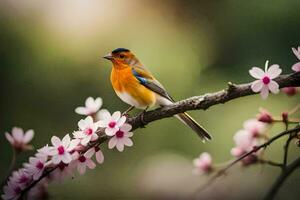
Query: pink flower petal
256, 72
73, 144
9, 138
89, 153
28, 136
55, 141
85, 140
89, 102
111, 131
296, 67
81, 168
56, 159
296, 52
257, 85
18, 134
274, 71
99, 157
264, 92
66, 140
102, 123
121, 121
127, 141
273, 87
66, 158
120, 145
116, 116
126, 127
82, 124
81, 111
89, 121
112, 142
90, 164
129, 134
104, 114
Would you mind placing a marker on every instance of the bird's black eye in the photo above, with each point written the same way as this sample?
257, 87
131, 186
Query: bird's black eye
122, 56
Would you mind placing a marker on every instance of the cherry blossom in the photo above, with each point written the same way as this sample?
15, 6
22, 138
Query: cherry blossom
61, 149
36, 166
84, 161
91, 106
87, 131
111, 123
121, 138
265, 82
203, 163
12, 191
255, 127
19, 140
245, 142
296, 66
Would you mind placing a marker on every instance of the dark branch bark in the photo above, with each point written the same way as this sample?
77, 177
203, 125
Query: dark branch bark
280, 180
203, 102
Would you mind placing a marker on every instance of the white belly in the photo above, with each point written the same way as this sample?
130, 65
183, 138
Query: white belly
127, 98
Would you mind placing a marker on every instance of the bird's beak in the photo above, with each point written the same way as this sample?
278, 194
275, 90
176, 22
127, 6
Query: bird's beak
108, 56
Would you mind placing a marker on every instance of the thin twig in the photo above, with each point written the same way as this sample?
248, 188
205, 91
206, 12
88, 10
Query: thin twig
280, 180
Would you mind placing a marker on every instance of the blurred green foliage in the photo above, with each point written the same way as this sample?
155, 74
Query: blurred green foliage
51, 61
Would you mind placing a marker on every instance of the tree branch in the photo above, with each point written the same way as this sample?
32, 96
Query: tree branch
203, 102
280, 180
194, 103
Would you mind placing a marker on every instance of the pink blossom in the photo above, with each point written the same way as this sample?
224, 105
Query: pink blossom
21, 177
36, 166
61, 149
296, 66
91, 106
19, 140
12, 191
87, 131
111, 123
264, 116
203, 163
99, 155
62, 172
43, 152
255, 127
245, 142
290, 91
84, 161
121, 138
265, 82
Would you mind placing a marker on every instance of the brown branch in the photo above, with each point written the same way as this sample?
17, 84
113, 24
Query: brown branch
280, 180
194, 103
203, 102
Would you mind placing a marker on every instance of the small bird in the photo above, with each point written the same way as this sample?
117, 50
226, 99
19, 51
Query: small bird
136, 86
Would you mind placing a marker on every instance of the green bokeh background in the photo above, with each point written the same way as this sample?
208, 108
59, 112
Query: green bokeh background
51, 61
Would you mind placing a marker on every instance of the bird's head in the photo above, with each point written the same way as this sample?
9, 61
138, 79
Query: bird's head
122, 58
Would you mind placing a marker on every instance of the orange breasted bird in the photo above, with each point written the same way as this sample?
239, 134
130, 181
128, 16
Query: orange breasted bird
136, 86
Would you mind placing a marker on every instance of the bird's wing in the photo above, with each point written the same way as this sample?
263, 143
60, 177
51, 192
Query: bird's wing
146, 79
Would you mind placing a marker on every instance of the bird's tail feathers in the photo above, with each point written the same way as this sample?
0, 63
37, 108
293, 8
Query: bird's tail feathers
189, 121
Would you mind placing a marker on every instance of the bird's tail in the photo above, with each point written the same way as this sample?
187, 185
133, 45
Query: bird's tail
189, 121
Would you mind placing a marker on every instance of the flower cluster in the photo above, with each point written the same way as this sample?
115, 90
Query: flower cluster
265, 82
66, 155
248, 138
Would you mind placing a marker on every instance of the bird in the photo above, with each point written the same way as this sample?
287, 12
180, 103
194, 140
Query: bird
135, 85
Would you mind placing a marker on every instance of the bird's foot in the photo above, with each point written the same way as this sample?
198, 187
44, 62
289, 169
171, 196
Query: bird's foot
141, 116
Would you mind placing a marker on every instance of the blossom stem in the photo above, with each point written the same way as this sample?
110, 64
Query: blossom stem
282, 177
295, 109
